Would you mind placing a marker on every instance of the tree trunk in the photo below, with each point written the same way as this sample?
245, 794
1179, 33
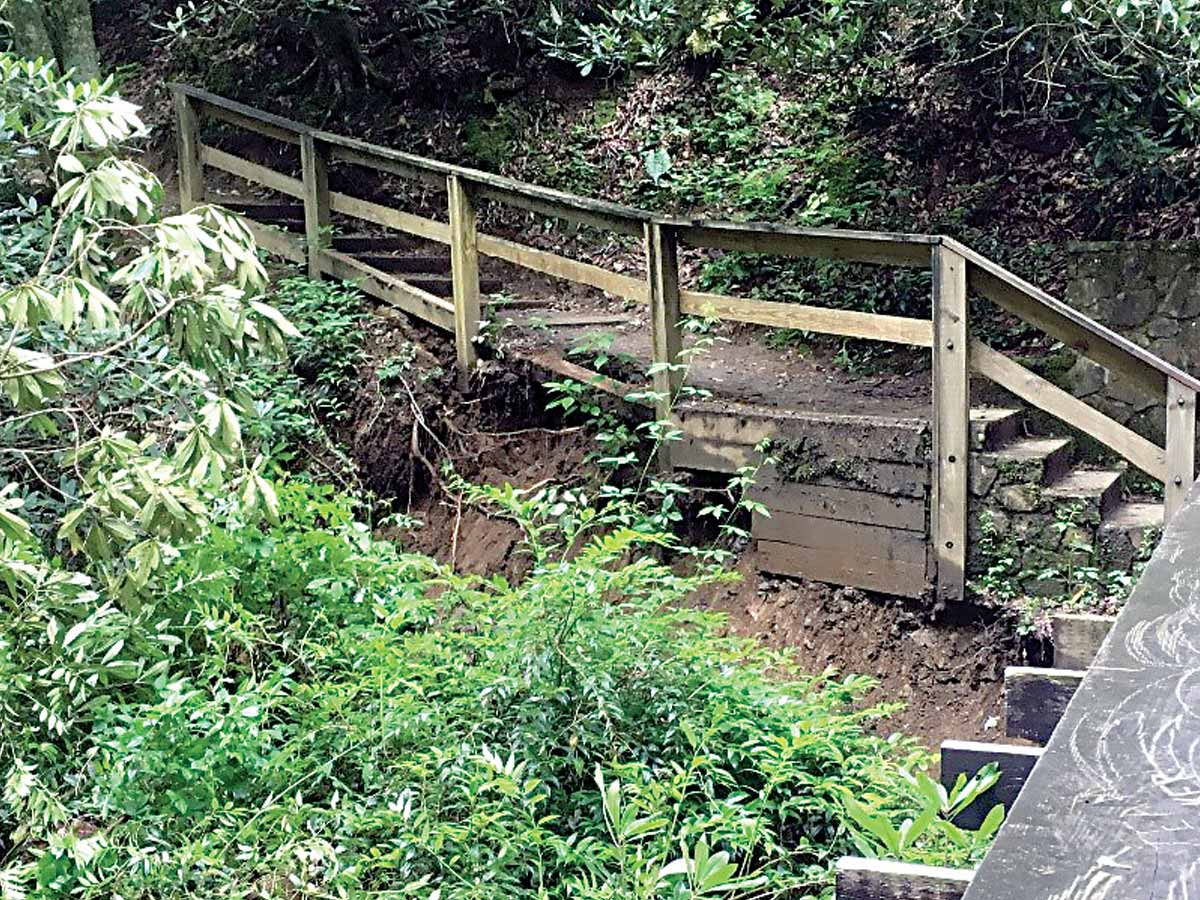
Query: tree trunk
30, 31
73, 36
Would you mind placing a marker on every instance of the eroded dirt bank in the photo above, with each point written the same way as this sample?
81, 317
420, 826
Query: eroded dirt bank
948, 670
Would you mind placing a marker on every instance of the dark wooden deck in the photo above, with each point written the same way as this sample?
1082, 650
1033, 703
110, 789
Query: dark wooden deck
1112, 810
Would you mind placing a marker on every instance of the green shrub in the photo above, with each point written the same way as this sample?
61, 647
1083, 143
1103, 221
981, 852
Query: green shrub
308, 711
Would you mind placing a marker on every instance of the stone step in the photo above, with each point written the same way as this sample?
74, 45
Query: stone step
1024, 461
994, 426
1097, 491
1124, 531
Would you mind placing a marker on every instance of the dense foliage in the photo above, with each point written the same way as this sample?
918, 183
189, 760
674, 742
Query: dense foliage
305, 711
125, 333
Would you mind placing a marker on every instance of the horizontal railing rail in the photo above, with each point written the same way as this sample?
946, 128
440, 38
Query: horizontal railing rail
956, 269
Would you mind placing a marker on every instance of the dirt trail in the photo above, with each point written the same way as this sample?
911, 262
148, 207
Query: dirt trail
740, 365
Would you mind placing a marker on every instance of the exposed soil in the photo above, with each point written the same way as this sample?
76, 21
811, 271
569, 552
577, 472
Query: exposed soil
948, 671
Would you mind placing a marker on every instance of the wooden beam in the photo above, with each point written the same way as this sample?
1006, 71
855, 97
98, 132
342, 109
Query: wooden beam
844, 505
855, 539
968, 757
951, 422
547, 263
1181, 446
464, 268
880, 879
847, 566
276, 241
251, 171
1035, 699
317, 219
383, 159
1039, 392
187, 145
877, 247
392, 291
548, 359
662, 264
826, 435
1077, 638
847, 323
429, 229
243, 116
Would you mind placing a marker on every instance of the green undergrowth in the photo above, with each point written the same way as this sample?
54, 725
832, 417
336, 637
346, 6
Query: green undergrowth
1058, 569
306, 711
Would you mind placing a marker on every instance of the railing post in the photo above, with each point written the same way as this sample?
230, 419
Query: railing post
464, 269
317, 220
187, 145
662, 268
1181, 446
951, 421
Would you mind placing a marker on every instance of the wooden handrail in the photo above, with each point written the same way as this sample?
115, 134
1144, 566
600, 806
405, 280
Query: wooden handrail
957, 270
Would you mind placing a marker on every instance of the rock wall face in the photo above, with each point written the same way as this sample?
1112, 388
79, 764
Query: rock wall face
1148, 291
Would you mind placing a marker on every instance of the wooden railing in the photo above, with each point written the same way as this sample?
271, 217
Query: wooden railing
956, 269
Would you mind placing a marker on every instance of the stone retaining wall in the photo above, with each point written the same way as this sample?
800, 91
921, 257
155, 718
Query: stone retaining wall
1148, 291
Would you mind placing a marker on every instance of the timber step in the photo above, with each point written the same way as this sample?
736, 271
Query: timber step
289, 216
416, 262
371, 243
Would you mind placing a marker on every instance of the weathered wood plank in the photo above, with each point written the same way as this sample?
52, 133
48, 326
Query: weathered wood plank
549, 359
315, 175
847, 323
968, 757
429, 229
880, 248
844, 566
666, 337
854, 538
1035, 699
1077, 638
1039, 392
384, 159
276, 241
243, 116
1110, 811
879, 879
464, 268
1181, 446
187, 147
391, 290
893, 479
557, 205
821, 434
844, 505
553, 264
951, 422
251, 171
